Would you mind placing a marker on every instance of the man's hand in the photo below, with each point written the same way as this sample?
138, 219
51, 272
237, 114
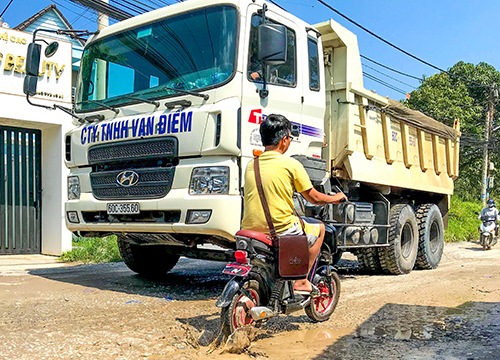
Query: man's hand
338, 198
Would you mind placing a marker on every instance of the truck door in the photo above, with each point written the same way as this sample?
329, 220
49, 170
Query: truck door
313, 93
284, 91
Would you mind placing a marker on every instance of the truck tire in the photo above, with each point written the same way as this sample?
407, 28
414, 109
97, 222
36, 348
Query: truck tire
148, 260
399, 257
430, 236
336, 257
368, 260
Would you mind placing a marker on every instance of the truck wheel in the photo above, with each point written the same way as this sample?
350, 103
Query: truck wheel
362, 262
399, 257
430, 236
368, 260
147, 260
336, 257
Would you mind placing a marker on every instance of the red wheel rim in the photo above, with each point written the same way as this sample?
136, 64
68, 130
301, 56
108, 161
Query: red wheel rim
240, 316
323, 302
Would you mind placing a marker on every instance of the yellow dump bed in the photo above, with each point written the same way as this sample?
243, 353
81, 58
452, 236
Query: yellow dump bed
376, 140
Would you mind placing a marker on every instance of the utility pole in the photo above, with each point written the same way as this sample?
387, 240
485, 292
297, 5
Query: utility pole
102, 19
492, 99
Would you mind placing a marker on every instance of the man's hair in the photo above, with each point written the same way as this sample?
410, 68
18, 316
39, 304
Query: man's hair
274, 128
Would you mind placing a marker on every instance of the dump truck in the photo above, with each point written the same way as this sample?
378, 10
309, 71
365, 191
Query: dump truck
167, 112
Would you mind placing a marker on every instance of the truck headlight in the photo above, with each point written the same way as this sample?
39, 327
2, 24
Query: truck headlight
209, 180
73, 187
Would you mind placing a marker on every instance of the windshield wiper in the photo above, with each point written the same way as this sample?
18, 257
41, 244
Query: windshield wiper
155, 103
100, 103
181, 91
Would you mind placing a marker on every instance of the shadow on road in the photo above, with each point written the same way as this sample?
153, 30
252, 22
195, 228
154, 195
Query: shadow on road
189, 280
469, 331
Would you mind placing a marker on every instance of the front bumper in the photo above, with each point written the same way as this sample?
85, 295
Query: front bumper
224, 220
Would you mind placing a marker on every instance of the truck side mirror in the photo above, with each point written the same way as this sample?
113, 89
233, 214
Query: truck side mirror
51, 49
33, 58
272, 44
30, 84
32, 66
295, 130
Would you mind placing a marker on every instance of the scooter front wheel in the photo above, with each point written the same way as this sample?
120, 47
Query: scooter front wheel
322, 307
236, 315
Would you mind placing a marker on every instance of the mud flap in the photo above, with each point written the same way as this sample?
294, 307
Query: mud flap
231, 288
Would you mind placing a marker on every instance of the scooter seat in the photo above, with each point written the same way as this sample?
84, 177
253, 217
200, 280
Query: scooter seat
265, 238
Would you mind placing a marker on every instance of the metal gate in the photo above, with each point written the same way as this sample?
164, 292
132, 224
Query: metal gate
20, 191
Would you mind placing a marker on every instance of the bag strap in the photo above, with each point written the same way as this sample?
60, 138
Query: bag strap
263, 200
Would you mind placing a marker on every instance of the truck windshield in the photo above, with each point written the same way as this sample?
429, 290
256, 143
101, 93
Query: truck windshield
193, 51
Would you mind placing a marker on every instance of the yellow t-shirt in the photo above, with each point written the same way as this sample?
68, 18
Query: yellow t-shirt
281, 176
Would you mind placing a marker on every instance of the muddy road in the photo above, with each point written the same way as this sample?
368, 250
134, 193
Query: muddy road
107, 312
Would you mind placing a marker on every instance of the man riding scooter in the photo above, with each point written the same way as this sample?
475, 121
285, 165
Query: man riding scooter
489, 225
281, 177
490, 212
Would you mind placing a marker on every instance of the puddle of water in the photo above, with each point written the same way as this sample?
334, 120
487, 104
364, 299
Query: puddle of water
304, 344
402, 322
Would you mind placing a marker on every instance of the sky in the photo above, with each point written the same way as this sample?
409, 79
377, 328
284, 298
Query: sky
440, 32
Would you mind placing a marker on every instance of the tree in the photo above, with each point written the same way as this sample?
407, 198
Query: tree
462, 93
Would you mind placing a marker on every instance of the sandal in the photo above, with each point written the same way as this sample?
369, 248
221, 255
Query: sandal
313, 293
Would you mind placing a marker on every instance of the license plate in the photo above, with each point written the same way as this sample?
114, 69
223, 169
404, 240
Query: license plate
237, 269
122, 208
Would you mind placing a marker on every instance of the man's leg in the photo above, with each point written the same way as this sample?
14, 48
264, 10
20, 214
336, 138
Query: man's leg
304, 284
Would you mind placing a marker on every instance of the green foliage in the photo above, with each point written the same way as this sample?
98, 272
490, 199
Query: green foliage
462, 220
462, 93
93, 250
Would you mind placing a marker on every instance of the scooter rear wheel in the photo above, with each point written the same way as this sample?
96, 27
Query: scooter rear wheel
235, 315
322, 307
484, 240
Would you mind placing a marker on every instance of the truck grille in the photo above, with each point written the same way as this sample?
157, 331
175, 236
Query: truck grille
152, 160
133, 150
153, 183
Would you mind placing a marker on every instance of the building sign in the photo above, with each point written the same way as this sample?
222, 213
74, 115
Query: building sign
54, 77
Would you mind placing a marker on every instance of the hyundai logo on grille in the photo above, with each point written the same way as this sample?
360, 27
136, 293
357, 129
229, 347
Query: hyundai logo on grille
127, 178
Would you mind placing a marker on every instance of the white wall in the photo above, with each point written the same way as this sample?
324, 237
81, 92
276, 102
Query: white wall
15, 111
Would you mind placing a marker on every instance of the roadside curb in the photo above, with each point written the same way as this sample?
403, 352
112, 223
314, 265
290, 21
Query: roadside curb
11, 265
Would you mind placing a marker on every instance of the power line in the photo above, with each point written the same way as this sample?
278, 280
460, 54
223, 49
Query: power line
105, 8
399, 48
159, 3
391, 69
390, 77
381, 38
79, 16
74, 12
369, 76
4, 10
132, 7
382, 82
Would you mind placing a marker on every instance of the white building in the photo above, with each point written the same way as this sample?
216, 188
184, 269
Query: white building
32, 171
